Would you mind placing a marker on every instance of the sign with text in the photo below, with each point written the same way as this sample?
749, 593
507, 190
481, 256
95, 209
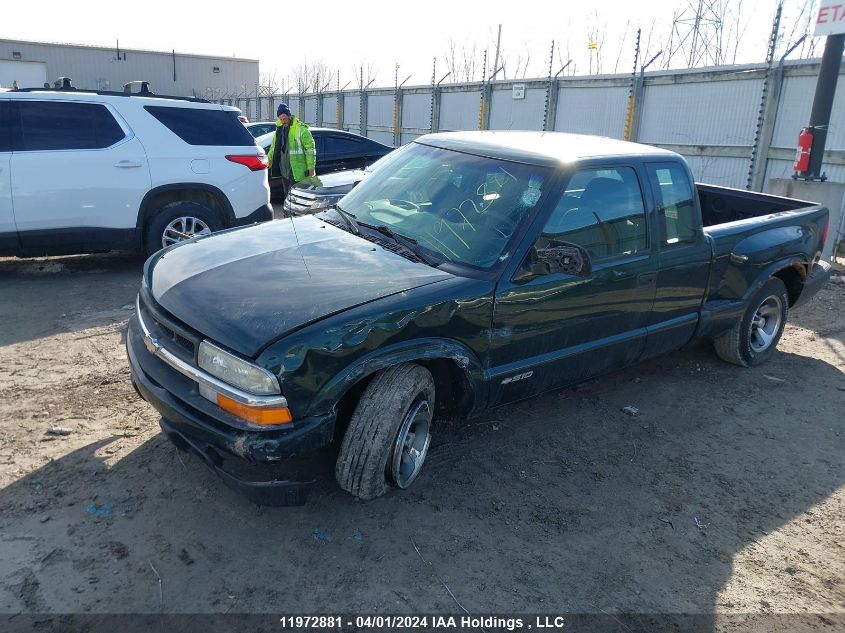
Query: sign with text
831, 18
519, 91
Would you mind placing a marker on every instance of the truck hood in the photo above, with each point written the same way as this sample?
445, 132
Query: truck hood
247, 287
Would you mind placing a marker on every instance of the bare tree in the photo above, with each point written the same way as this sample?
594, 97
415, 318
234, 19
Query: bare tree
519, 64
310, 76
365, 72
802, 17
621, 47
596, 32
464, 64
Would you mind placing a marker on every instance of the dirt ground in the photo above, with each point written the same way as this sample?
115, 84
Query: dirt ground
724, 495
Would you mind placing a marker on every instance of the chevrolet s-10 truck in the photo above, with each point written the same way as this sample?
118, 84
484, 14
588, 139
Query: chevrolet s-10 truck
468, 271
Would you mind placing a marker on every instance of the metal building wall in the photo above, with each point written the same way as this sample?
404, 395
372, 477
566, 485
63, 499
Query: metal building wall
98, 68
459, 110
416, 110
352, 112
309, 114
507, 113
330, 110
585, 109
707, 112
380, 110
794, 112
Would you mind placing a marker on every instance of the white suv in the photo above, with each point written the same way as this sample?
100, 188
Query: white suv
85, 171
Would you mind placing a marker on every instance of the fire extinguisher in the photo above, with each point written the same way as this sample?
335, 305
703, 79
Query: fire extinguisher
805, 144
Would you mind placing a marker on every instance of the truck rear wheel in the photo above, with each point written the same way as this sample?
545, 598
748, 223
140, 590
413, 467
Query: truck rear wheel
754, 339
388, 436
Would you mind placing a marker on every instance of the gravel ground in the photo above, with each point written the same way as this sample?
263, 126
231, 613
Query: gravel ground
723, 496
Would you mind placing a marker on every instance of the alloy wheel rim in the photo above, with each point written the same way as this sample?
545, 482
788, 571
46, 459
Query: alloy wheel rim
411, 446
183, 228
765, 323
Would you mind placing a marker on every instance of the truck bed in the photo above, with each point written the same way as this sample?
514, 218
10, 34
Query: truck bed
754, 236
720, 205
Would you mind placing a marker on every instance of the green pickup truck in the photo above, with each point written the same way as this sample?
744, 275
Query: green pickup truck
468, 271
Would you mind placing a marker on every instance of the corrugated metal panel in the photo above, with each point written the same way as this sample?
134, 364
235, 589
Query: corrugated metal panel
459, 110
294, 103
416, 110
381, 137
330, 110
507, 113
728, 172
783, 169
99, 69
352, 110
599, 110
352, 128
380, 110
407, 137
310, 113
794, 112
708, 113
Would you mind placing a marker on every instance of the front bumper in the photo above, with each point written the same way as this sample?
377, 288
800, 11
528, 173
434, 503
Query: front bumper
224, 443
818, 277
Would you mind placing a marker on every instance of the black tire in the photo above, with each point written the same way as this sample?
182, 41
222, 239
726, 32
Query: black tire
161, 219
742, 344
364, 465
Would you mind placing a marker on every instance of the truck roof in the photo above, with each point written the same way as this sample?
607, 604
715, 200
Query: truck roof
541, 148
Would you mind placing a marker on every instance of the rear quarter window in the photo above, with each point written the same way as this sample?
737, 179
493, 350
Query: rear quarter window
343, 145
198, 126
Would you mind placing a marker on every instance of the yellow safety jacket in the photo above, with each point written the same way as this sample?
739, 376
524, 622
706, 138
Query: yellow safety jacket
301, 149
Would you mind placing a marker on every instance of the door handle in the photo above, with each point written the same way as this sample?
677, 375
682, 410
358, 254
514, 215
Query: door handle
124, 164
646, 279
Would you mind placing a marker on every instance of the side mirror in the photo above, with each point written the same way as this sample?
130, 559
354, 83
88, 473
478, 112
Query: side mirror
557, 257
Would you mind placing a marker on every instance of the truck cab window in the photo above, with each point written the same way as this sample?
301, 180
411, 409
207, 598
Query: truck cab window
601, 210
675, 209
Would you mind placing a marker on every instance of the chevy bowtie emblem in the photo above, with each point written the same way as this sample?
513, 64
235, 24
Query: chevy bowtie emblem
151, 344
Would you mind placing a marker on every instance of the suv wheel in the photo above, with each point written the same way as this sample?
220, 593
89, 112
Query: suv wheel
389, 433
179, 222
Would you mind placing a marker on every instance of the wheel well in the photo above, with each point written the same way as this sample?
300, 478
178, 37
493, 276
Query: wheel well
792, 278
208, 198
452, 389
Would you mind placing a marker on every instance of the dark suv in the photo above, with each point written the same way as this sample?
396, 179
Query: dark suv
336, 150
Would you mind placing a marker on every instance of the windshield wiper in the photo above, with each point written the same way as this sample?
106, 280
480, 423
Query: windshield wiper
348, 217
408, 243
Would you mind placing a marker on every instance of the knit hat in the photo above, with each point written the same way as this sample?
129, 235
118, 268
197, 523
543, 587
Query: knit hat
283, 109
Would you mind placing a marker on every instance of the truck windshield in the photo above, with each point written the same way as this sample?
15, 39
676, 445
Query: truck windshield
464, 208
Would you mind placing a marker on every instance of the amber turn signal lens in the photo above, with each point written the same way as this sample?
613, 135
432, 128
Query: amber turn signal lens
264, 416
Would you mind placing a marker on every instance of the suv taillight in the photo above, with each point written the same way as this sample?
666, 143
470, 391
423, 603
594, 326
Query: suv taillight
255, 163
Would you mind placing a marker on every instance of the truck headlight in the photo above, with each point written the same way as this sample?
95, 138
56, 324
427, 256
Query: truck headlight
236, 371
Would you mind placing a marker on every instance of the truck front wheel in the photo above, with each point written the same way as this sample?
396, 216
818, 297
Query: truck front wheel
754, 339
389, 433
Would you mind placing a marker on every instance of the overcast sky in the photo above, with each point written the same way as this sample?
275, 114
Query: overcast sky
381, 33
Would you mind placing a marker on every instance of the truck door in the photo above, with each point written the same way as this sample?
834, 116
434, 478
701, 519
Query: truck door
557, 329
8, 230
684, 258
76, 173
